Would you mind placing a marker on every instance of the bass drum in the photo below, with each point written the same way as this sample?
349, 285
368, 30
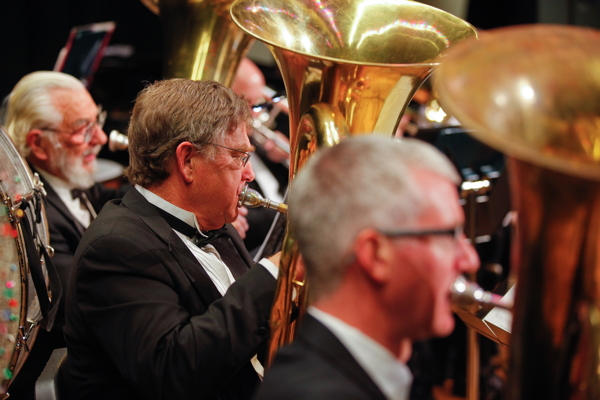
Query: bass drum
24, 248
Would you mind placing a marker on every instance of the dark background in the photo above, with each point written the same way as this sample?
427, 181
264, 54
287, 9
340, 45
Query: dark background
32, 32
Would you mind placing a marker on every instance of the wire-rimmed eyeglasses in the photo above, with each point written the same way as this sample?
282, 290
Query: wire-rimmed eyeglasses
455, 232
86, 131
244, 159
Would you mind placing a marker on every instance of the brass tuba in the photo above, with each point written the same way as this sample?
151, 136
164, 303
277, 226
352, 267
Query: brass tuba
349, 68
533, 92
201, 41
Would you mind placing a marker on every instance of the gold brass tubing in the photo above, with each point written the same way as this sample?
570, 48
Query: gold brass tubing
349, 68
201, 40
533, 93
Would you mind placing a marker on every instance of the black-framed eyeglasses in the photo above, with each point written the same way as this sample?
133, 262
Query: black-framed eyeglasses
455, 233
86, 131
244, 158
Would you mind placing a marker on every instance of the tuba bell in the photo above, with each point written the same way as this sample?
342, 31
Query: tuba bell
349, 68
201, 41
533, 92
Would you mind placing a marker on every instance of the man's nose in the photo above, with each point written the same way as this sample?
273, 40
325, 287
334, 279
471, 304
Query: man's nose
98, 137
248, 172
468, 259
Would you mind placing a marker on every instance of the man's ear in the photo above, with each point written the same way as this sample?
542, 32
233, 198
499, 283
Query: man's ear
34, 140
374, 254
184, 155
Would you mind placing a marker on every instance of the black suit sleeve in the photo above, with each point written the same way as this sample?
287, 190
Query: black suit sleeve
99, 194
145, 314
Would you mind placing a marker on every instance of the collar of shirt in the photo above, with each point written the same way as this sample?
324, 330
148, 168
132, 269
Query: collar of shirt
207, 256
186, 216
190, 218
391, 376
63, 190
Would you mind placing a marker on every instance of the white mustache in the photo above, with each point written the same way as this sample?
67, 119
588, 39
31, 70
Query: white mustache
94, 150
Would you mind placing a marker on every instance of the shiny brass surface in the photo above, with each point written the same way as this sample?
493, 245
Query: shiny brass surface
350, 68
533, 92
365, 59
201, 40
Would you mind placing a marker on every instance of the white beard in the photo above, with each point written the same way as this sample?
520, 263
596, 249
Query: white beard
72, 168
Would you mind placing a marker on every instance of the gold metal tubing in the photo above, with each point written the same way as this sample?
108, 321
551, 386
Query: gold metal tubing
350, 68
201, 41
533, 92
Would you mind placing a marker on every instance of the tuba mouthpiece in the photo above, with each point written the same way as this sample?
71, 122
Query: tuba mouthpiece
251, 198
117, 141
468, 293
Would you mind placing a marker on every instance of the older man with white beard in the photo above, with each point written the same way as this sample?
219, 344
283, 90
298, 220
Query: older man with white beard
57, 128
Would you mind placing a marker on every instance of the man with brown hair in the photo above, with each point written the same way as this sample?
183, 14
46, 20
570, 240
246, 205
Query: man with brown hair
152, 310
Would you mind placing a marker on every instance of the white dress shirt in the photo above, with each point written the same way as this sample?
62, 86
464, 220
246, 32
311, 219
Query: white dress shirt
392, 377
63, 190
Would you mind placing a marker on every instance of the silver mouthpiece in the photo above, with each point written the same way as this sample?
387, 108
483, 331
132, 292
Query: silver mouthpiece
251, 198
117, 141
469, 293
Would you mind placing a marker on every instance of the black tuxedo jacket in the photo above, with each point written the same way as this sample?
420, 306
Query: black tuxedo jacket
144, 320
65, 233
316, 366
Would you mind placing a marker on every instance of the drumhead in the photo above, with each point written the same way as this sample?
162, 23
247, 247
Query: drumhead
20, 315
16, 179
12, 268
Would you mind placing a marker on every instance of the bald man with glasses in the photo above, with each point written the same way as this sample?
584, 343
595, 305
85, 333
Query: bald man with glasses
57, 127
165, 301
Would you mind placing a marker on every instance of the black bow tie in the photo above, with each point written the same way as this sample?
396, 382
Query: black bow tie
76, 193
85, 201
200, 239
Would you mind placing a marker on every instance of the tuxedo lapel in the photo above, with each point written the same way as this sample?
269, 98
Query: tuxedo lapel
55, 201
317, 337
202, 283
233, 253
238, 243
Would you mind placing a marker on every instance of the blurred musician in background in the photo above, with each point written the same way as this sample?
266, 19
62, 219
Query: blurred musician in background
268, 161
57, 128
379, 227
165, 302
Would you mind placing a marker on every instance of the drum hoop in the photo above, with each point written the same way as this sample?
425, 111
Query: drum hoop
22, 337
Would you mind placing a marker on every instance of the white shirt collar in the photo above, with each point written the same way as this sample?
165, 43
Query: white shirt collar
186, 216
392, 377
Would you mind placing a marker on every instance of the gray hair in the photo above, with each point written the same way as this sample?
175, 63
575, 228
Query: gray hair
363, 182
30, 105
172, 111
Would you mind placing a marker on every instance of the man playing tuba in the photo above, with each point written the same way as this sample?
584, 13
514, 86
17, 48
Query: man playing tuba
165, 302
